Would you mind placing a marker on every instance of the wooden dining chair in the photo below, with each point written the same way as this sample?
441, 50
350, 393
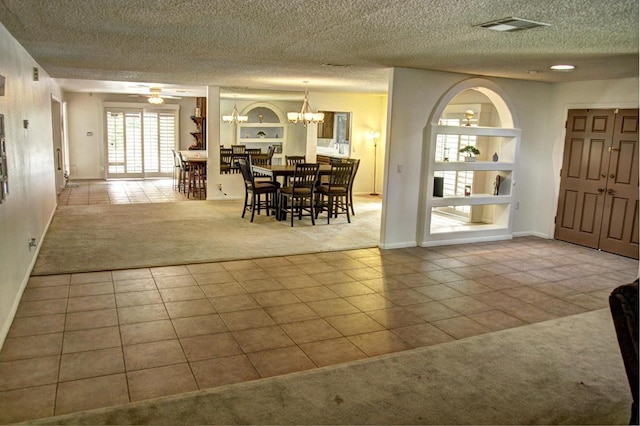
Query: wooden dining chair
334, 196
256, 189
299, 195
253, 151
176, 169
226, 159
356, 165
294, 159
238, 149
183, 174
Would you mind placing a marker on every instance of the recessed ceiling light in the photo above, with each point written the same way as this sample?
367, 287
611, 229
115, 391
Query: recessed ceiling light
512, 24
563, 67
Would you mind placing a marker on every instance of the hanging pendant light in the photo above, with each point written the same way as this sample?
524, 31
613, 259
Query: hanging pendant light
306, 114
235, 117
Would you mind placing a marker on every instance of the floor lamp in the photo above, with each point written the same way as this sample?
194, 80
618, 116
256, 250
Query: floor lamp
374, 136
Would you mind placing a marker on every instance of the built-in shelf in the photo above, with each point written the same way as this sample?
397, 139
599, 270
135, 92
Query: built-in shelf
262, 140
267, 119
472, 165
481, 215
471, 200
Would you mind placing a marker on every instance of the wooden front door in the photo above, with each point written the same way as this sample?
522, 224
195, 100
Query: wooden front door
619, 231
598, 200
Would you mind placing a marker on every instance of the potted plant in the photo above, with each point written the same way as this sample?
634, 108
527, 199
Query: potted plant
261, 134
470, 151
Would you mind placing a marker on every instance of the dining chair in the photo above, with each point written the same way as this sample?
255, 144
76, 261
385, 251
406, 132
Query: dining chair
176, 169
256, 189
253, 151
299, 195
294, 159
238, 149
226, 159
356, 165
183, 174
334, 196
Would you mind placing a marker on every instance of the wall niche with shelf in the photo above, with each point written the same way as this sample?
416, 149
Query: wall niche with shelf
466, 201
266, 126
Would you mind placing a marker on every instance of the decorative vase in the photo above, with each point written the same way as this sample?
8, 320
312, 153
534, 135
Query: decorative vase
495, 157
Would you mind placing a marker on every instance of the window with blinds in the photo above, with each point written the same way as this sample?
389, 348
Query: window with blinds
140, 142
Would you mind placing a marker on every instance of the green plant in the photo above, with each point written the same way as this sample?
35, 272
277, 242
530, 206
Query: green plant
469, 150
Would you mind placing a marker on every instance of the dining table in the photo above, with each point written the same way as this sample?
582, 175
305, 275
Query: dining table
284, 171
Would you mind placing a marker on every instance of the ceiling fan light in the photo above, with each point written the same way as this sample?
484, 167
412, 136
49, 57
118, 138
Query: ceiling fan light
155, 100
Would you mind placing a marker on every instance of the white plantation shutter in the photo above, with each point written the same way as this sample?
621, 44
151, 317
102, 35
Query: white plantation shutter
139, 142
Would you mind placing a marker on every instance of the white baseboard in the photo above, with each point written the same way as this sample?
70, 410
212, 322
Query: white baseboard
466, 240
533, 234
404, 244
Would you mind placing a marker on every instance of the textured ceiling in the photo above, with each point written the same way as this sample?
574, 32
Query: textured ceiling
278, 44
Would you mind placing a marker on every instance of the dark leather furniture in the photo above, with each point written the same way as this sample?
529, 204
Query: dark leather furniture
623, 303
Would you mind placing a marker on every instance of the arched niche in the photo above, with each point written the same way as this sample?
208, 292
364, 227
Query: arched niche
269, 112
486, 88
482, 208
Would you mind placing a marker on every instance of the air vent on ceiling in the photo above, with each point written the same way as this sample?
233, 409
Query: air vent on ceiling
512, 24
337, 65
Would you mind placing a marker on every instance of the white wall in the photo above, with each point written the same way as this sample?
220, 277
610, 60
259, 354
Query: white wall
368, 114
30, 205
86, 132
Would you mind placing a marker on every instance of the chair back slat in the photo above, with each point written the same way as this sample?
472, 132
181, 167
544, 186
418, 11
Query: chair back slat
238, 149
305, 175
294, 159
260, 160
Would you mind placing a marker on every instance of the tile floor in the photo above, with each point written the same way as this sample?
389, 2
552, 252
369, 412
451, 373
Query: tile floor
88, 192
89, 340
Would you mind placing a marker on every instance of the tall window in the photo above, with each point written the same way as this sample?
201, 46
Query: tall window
139, 142
447, 146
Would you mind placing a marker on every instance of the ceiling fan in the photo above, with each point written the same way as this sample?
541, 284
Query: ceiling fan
154, 96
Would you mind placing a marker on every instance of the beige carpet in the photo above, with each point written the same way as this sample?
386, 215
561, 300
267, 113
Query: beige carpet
108, 237
563, 371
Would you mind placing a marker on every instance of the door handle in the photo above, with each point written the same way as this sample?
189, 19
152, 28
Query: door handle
612, 149
611, 191
59, 157
601, 190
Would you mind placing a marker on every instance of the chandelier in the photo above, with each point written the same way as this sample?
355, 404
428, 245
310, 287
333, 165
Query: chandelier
306, 114
155, 97
235, 117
